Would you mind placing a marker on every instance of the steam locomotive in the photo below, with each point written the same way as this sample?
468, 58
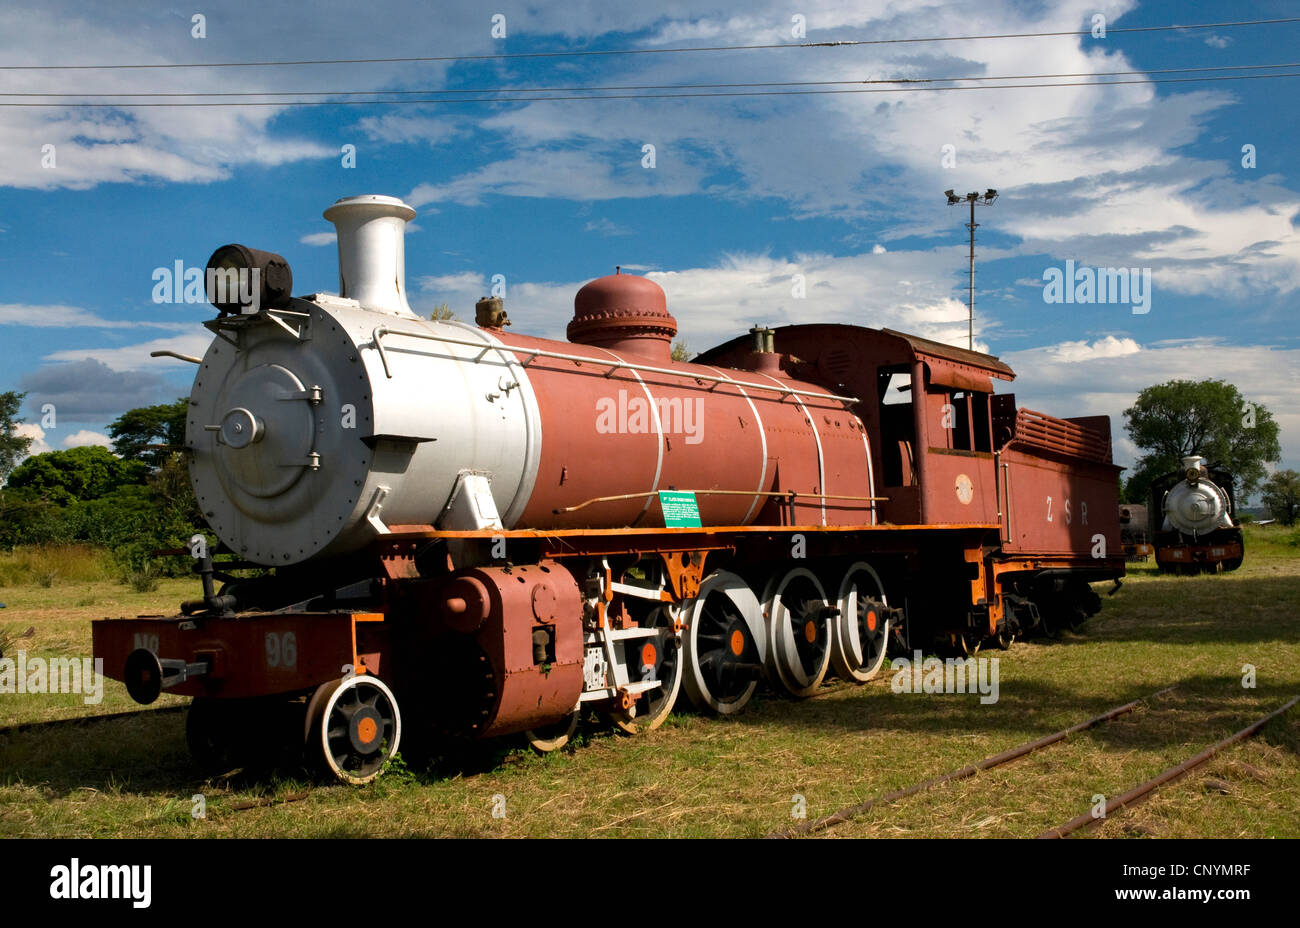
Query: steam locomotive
1193, 520
474, 533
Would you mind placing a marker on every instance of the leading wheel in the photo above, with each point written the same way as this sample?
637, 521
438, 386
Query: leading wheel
723, 645
354, 726
861, 631
655, 658
798, 632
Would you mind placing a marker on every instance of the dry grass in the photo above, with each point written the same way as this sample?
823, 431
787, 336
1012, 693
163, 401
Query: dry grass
45, 565
739, 777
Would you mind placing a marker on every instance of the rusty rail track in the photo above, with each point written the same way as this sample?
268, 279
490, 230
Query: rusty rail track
843, 815
1143, 790
87, 719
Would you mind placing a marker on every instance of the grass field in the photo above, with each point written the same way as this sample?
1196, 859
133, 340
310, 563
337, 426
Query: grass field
739, 777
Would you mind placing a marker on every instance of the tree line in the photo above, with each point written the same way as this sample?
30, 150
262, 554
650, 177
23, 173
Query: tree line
132, 501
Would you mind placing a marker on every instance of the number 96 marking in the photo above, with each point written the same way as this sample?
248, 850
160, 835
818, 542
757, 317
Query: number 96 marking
282, 650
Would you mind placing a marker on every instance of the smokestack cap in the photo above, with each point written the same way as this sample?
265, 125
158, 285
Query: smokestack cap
396, 206
372, 251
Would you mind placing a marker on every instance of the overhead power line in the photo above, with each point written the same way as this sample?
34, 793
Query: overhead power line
665, 96
618, 87
637, 51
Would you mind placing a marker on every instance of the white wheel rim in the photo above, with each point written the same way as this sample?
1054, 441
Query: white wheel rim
323, 726
848, 650
698, 688
674, 686
783, 653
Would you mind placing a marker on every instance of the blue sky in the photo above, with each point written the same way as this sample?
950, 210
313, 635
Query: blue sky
745, 192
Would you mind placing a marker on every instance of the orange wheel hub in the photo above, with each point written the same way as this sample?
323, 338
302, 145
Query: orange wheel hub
810, 631
737, 642
366, 730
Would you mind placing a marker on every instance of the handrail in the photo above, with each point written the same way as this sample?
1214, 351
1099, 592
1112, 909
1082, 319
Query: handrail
381, 330
791, 495
177, 355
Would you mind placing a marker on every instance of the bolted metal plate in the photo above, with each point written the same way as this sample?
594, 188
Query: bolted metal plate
1196, 508
265, 436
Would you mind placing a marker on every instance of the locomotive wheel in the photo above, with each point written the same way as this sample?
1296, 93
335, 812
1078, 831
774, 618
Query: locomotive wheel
798, 632
660, 658
860, 632
722, 647
1003, 640
354, 727
553, 737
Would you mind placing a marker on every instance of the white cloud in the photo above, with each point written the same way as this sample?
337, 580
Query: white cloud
1106, 379
573, 175
719, 301
136, 357
1108, 347
1109, 159
1097, 173
459, 291
319, 238
117, 145
36, 434
397, 128
604, 226
74, 317
87, 437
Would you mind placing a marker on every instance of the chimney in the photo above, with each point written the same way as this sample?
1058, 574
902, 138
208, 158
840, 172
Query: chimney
372, 251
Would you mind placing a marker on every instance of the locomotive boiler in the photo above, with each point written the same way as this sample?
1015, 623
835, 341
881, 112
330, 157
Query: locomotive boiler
1193, 522
444, 530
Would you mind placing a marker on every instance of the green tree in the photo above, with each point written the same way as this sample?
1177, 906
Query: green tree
76, 474
1281, 495
135, 431
13, 447
1205, 417
25, 521
681, 352
442, 311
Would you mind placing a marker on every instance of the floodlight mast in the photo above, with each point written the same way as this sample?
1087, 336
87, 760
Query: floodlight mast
972, 198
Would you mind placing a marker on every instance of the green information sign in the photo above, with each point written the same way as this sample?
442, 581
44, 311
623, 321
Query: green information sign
680, 509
